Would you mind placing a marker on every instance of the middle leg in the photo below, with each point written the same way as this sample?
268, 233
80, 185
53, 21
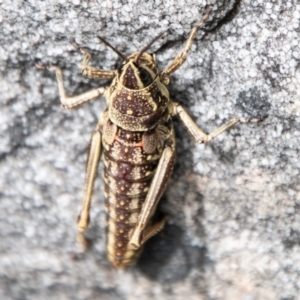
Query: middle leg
72, 102
200, 136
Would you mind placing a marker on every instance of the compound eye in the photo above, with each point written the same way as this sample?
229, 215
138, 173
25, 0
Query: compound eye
145, 77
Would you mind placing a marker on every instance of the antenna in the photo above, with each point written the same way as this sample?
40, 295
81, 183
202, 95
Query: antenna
112, 47
148, 46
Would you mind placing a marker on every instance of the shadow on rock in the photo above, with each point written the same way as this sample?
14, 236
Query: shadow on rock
167, 258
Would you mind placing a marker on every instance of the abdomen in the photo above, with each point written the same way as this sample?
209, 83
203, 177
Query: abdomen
128, 172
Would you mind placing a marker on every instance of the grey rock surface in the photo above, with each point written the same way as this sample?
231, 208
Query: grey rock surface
233, 205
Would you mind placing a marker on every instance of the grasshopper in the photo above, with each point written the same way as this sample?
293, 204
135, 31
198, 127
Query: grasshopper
136, 138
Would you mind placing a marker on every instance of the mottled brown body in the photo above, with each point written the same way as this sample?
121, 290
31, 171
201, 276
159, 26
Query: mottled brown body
128, 173
137, 127
136, 137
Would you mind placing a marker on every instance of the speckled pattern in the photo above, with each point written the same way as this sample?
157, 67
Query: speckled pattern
233, 205
128, 174
132, 154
